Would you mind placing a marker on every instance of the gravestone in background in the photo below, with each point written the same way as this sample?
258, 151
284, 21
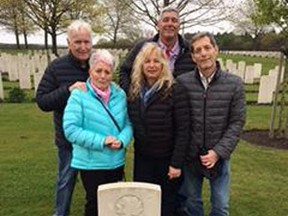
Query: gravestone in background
1, 88
37, 78
241, 69
257, 70
249, 74
266, 89
129, 198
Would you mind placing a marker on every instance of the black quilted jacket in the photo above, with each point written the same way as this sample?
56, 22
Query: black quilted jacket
52, 93
159, 128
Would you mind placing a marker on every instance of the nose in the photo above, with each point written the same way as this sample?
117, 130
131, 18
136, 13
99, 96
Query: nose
151, 64
102, 74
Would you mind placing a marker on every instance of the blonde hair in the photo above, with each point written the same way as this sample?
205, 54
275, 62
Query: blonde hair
137, 78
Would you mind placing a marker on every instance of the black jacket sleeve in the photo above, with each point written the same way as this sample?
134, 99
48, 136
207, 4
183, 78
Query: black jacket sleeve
126, 67
181, 125
51, 96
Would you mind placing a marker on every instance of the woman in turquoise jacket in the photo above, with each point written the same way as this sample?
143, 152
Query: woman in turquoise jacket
95, 121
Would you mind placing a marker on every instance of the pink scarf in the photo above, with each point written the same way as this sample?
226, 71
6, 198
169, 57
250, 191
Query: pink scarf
104, 95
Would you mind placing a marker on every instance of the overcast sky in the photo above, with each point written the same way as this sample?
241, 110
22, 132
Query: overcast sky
38, 38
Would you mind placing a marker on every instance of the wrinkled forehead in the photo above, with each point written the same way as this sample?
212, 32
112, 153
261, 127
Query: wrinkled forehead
169, 14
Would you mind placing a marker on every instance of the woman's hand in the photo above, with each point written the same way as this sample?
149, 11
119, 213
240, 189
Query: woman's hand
174, 172
112, 142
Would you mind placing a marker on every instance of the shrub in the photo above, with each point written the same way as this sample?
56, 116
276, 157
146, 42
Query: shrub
16, 95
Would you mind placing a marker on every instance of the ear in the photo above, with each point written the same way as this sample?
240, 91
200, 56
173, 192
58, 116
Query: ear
68, 42
192, 56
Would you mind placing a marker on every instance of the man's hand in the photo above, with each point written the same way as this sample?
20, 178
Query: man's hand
78, 85
210, 159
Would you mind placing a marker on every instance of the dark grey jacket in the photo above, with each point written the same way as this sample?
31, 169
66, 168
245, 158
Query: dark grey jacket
182, 64
52, 93
216, 115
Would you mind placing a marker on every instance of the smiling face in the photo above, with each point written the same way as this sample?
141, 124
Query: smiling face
101, 75
169, 25
204, 54
80, 44
152, 68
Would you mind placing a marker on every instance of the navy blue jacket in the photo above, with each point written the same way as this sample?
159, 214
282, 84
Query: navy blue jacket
52, 93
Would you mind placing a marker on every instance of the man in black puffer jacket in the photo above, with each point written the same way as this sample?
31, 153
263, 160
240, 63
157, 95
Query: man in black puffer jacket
60, 77
217, 115
176, 47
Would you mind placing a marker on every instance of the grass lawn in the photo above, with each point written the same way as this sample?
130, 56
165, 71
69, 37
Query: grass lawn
28, 165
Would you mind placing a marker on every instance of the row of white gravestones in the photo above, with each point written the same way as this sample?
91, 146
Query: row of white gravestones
268, 84
249, 73
252, 73
22, 66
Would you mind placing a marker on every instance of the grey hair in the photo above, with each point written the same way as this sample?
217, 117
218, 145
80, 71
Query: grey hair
76, 25
104, 56
168, 8
200, 35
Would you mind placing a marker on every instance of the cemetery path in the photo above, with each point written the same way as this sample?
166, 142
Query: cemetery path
261, 137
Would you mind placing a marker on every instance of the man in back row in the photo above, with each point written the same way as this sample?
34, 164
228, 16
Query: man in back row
176, 48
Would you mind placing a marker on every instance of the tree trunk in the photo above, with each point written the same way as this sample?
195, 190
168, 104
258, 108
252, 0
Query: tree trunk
166, 3
25, 39
17, 38
54, 43
46, 38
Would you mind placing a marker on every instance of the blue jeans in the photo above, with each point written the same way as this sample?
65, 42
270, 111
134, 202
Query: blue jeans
191, 189
65, 182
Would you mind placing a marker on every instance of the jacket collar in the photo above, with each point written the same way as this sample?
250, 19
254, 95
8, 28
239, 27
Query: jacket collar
216, 75
80, 64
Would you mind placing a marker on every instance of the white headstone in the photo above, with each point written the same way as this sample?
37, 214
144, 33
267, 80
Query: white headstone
24, 74
249, 74
220, 60
1, 88
128, 199
257, 70
266, 89
241, 69
37, 77
229, 65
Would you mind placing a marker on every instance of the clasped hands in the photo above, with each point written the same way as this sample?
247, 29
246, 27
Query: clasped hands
210, 159
112, 142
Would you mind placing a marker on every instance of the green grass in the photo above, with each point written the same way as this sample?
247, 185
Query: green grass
28, 164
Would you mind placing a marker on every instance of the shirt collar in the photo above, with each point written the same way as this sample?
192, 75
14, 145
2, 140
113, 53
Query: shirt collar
175, 49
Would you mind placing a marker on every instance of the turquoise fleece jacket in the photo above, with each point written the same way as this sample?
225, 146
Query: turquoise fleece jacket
86, 124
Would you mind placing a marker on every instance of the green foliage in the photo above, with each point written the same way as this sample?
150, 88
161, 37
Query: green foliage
270, 41
120, 44
272, 12
16, 95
